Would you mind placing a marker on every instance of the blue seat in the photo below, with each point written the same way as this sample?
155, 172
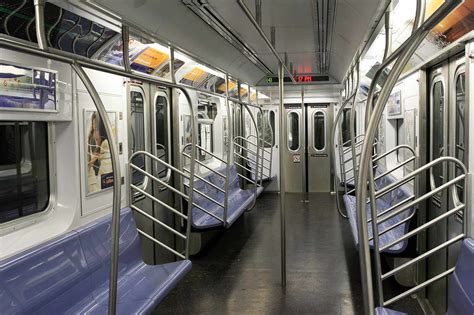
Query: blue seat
387, 311
238, 200
461, 288
383, 203
70, 275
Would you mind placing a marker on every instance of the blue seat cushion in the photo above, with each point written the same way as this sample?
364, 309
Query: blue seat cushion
386, 238
70, 274
238, 200
44, 273
461, 289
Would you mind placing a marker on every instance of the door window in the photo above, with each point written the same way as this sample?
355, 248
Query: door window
266, 127
137, 127
460, 128
437, 147
346, 123
293, 131
161, 134
319, 131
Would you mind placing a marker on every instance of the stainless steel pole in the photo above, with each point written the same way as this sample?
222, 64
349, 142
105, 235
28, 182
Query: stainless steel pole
282, 177
39, 23
117, 179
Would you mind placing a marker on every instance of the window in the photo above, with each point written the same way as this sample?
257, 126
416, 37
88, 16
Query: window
138, 133
17, 18
460, 129
24, 169
293, 131
205, 140
207, 112
319, 131
346, 123
265, 127
437, 131
161, 134
272, 124
76, 34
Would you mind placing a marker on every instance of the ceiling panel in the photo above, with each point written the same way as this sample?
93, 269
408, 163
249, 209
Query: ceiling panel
176, 23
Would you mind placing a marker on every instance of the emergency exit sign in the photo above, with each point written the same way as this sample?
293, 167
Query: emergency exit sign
299, 78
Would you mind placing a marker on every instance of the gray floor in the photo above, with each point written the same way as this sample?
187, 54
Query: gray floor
239, 272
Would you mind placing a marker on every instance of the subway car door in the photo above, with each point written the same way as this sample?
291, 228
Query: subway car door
438, 95
161, 145
457, 148
447, 112
318, 126
294, 150
138, 110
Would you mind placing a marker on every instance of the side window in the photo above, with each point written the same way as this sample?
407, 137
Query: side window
319, 131
137, 125
161, 134
293, 137
24, 169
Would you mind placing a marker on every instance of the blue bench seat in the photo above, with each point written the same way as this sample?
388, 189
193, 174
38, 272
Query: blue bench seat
461, 288
383, 203
238, 200
70, 274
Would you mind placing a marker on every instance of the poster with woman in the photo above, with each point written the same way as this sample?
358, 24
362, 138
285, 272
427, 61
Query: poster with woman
99, 164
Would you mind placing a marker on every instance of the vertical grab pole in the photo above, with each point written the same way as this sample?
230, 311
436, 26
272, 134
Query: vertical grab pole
336, 178
191, 168
228, 157
126, 48
116, 192
352, 118
282, 177
39, 23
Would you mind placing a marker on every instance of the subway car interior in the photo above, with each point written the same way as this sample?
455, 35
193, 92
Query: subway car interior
236, 157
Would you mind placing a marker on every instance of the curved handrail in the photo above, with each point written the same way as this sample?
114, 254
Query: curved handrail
245, 105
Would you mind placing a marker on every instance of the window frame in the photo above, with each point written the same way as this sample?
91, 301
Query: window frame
161, 93
325, 130
31, 219
288, 130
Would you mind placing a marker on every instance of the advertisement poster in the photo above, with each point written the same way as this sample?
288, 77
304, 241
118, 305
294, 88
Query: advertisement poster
26, 88
98, 160
394, 104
